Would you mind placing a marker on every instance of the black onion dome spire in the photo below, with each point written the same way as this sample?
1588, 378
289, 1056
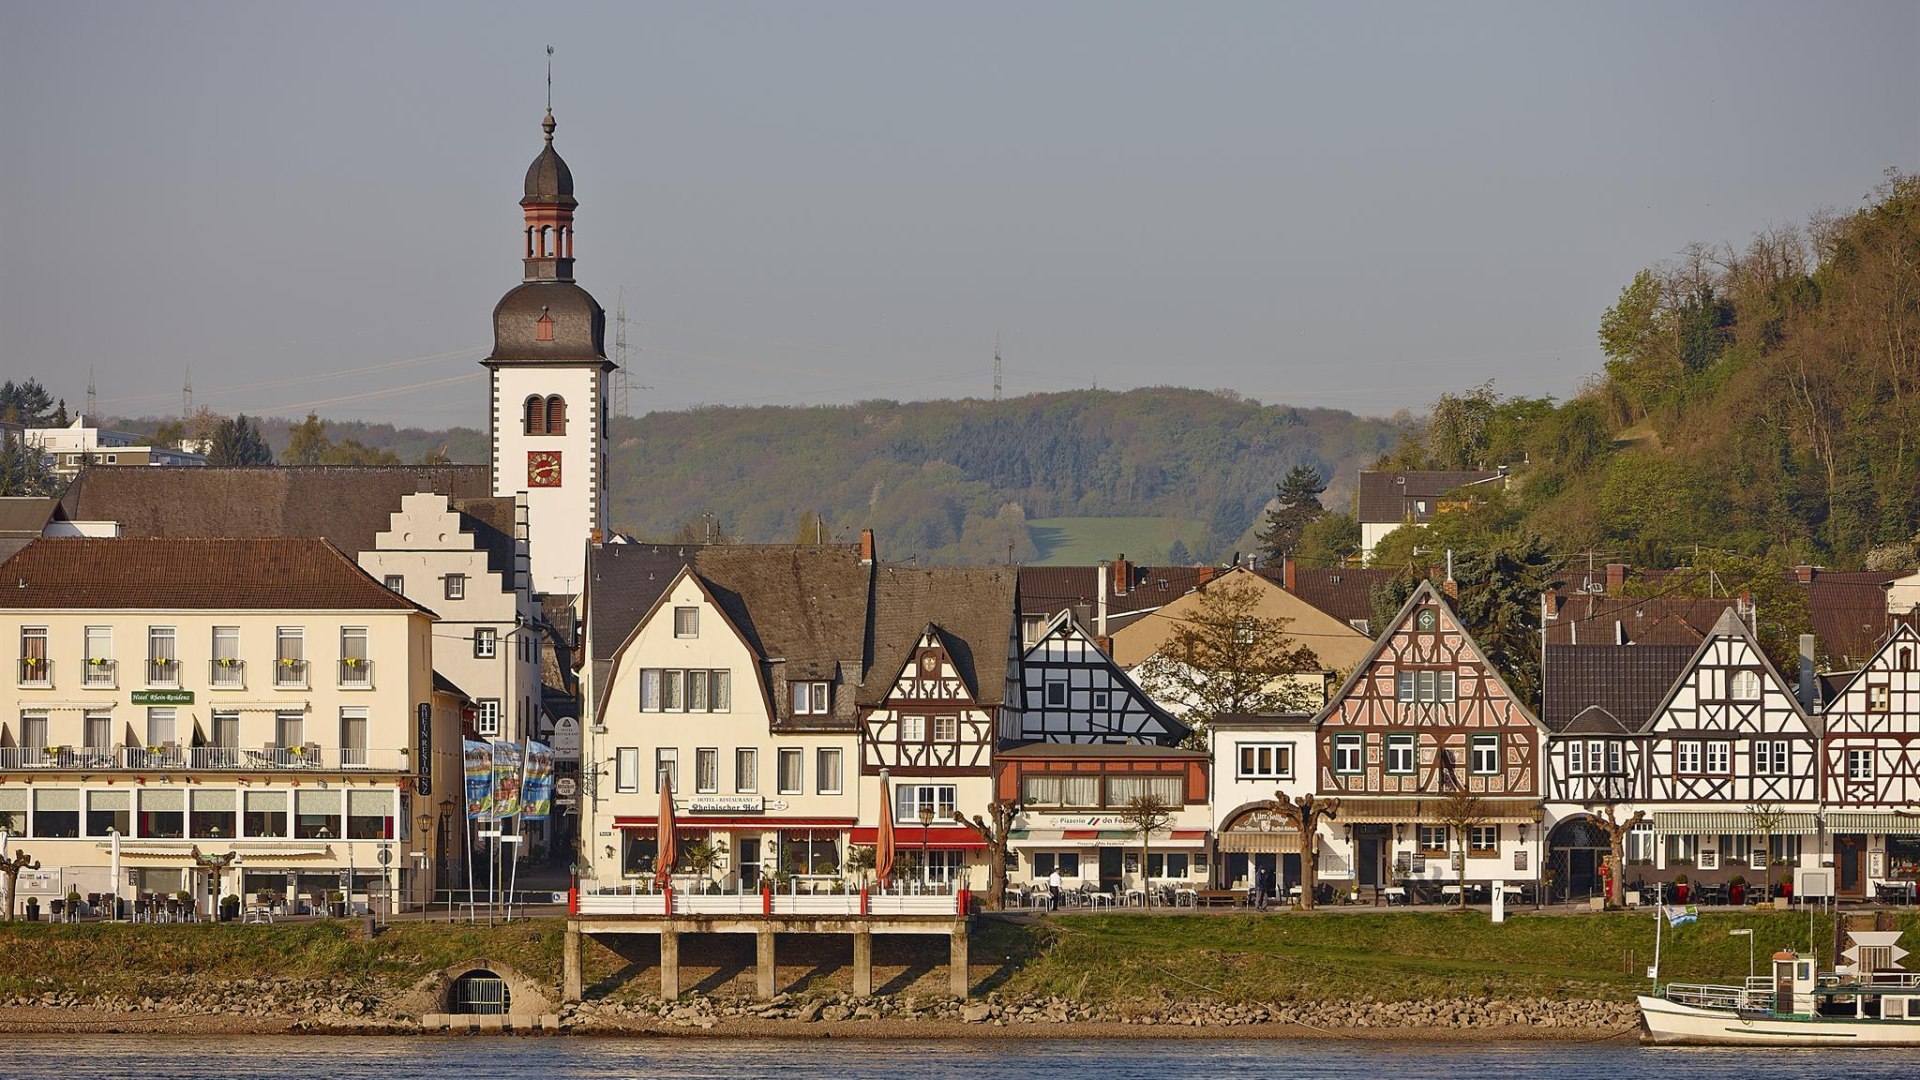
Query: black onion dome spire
549, 181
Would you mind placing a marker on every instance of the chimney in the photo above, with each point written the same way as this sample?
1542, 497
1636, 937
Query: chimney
1289, 579
1207, 574
1122, 575
1807, 683
1803, 574
1104, 644
1451, 587
866, 547
1100, 592
1616, 576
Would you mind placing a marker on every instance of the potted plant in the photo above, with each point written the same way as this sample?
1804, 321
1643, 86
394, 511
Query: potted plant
229, 908
33, 909
337, 904
1737, 890
1680, 889
73, 903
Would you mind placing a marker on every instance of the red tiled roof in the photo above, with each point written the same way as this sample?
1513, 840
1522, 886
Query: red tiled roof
294, 573
1049, 590
1345, 593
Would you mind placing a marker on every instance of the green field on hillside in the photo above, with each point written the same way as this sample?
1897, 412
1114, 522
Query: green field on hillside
1085, 541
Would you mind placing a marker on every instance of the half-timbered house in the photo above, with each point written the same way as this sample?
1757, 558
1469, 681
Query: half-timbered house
1871, 771
1072, 692
1424, 740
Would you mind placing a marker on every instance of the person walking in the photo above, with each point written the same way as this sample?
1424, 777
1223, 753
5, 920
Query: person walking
1053, 890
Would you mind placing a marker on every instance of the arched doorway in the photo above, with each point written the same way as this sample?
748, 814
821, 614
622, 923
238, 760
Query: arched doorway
479, 993
1256, 839
1575, 850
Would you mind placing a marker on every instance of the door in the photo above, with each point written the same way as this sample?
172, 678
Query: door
1848, 859
1110, 868
1367, 870
749, 848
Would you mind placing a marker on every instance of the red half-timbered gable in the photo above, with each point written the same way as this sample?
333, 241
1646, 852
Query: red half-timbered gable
930, 722
1872, 751
1427, 713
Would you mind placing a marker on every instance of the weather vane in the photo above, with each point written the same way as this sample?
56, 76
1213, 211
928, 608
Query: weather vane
549, 78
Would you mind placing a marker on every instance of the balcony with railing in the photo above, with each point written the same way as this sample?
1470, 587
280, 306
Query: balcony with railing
227, 673
847, 899
36, 671
163, 671
308, 758
100, 673
290, 673
356, 673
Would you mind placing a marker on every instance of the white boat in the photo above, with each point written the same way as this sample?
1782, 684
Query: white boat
1869, 1002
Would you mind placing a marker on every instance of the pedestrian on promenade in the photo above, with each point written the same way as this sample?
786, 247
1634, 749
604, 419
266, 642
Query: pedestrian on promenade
1053, 890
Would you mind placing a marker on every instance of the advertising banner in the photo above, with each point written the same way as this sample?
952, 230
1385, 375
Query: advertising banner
478, 757
506, 781
536, 798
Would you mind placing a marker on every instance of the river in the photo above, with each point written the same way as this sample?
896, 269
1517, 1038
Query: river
113, 1057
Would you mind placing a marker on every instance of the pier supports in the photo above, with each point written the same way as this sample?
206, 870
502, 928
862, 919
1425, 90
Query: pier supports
862, 963
958, 983
669, 964
572, 980
763, 982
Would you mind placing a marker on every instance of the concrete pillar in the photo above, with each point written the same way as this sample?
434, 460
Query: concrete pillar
863, 963
959, 983
670, 964
764, 980
573, 981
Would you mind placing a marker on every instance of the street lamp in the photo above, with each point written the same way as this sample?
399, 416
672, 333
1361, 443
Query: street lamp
926, 821
1746, 932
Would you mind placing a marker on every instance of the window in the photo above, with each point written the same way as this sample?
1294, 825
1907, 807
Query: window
1640, 843
456, 586
720, 690
289, 730
36, 669
1400, 754
650, 690
1485, 759
556, 415
289, 657
946, 729
913, 729
1030, 628
810, 854
790, 775
356, 666
1101, 698
534, 409
1056, 693
33, 730
1860, 764
827, 771
99, 670
1433, 839
316, 814
1577, 757
940, 798
56, 813
809, 698
353, 737
1349, 754
674, 690
1735, 850
1616, 763
162, 813
1682, 848
1686, 758
227, 672
160, 727
1066, 862
666, 768
109, 812
1266, 761
626, 769
746, 771
486, 642
1719, 758
215, 813
1427, 686
487, 716
1483, 840
1170, 865
1074, 791
163, 657
98, 728
226, 731
1596, 756
697, 691
706, 771
1744, 686
1879, 697
1786, 849
1122, 790
369, 815
686, 622
395, 582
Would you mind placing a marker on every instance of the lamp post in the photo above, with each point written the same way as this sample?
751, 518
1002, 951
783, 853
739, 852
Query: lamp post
926, 821
1746, 932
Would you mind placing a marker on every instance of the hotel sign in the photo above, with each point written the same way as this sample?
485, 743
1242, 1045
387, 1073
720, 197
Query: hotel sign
163, 697
423, 743
727, 804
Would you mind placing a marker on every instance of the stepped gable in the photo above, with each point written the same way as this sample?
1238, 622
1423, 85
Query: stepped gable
971, 609
1608, 689
346, 505
160, 573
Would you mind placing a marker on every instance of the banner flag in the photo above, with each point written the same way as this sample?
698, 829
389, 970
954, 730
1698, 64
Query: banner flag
536, 799
478, 759
1680, 916
506, 780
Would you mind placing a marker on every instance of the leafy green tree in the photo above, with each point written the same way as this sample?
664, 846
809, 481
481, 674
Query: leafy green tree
1499, 590
308, 444
1224, 656
1331, 539
1297, 503
355, 452
238, 442
60, 418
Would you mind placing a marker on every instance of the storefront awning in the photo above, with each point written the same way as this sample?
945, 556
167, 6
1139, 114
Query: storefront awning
1731, 822
1256, 841
760, 821
1881, 822
1369, 811
908, 837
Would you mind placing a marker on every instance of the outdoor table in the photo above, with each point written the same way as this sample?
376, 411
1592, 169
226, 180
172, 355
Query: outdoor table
1902, 891
1186, 898
1095, 899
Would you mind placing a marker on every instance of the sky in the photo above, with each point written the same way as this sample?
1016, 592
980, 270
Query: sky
1361, 206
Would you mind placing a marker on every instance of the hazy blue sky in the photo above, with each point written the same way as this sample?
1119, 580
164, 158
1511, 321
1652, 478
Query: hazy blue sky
1357, 205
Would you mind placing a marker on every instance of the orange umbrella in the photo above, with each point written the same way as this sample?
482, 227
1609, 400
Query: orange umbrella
883, 846
669, 844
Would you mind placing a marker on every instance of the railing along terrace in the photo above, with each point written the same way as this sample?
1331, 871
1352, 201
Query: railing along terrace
1705, 996
640, 898
227, 674
288, 672
163, 671
100, 671
207, 758
36, 671
356, 672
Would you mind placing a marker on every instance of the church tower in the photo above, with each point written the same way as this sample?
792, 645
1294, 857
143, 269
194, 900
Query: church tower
549, 372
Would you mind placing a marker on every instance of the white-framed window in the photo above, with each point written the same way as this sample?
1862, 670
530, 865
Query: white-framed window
946, 729
99, 669
675, 690
1640, 843
686, 622
227, 672
1682, 847
163, 656
33, 730
1485, 759
486, 642
289, 730
1265, 761
666, 767
1616, 759
97, 727
1786, 849
36, 668
810, 698
626, 769
791, 767
1101, 700
1401, 753
1433, 838
162, 727
706, 771
1122, 790
1058, 790
827, 771
289, 657
1427, 685
1483, 839
1879, 697
356, 665
456, 586
1860, 764
1349, 754
353, 737
1744, 685
487, 716
746, 771
1056, 693
913, 729
909, 798
395, 582
1686, 758
1736, 849
1719, 757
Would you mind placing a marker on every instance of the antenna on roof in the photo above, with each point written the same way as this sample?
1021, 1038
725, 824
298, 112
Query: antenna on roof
549, 78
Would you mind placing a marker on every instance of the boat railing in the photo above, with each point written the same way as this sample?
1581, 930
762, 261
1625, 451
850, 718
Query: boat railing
1891, 980
1703, 996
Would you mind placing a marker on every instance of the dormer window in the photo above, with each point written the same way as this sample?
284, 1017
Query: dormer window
810, 698
543, 329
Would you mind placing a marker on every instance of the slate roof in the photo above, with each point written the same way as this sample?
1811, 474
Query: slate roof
1849, 612
1343, 592
295, 573
345, 505
1593, 619
1049, 590
22, 519
1608, 689
1387, 497
802, 608
972, 608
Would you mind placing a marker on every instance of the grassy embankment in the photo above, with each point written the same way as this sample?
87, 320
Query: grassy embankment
1095, 958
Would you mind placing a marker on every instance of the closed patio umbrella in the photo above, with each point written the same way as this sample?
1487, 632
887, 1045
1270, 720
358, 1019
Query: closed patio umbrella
883, 842
669, 846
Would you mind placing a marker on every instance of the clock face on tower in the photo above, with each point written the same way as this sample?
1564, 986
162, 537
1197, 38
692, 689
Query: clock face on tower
543, 468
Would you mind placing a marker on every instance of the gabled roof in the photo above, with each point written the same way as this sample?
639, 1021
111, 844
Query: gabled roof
1049, 590
1840, 682
685, 572
623, 582
1596, 619
1346, 593
1384, 495
1611, 689
22, 519
1731, 625
1849, 611
971, 609
1425, 592
149, 573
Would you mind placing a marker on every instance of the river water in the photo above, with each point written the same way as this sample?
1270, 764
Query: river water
112, 1057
